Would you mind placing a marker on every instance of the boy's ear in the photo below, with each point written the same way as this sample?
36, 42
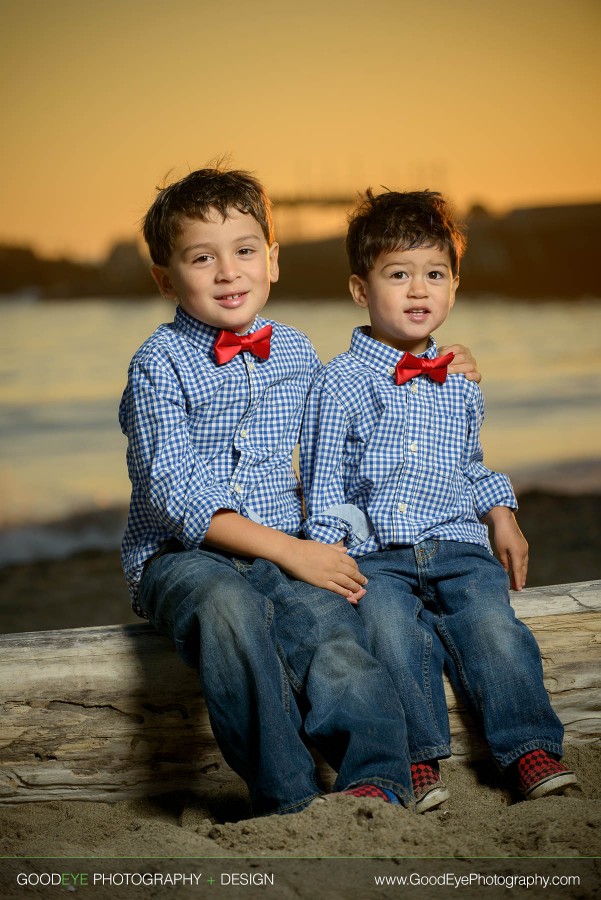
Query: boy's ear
358, 291
454, 287
274, 266
163, 281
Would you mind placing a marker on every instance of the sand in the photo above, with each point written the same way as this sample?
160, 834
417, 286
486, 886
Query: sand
482, 818
334, 849
479, 829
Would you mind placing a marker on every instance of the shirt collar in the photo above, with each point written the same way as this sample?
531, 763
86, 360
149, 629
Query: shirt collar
378, 356
202, 335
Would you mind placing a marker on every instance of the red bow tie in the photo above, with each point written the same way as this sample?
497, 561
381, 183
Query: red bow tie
411, 366
228, 344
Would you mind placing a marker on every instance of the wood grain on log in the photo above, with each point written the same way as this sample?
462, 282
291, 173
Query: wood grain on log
111, 713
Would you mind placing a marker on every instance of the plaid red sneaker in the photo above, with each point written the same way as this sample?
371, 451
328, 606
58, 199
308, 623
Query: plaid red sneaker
372, 790
429, 791
539, 775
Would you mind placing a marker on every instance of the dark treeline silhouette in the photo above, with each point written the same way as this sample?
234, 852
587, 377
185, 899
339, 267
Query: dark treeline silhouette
125, 272
530, 253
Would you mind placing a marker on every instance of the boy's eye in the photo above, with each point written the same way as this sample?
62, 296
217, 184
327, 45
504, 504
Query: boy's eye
202, 258
246, 251
436, 276
399, 275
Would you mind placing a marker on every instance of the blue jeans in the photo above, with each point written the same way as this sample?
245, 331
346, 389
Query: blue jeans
251, 632
448, 602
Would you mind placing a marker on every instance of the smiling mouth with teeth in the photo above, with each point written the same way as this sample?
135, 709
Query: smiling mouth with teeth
231, 299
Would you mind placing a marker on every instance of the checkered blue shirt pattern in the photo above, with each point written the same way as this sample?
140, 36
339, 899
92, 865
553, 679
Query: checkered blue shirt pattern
385, 464
203, 437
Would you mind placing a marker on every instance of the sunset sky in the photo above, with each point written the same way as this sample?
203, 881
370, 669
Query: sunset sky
490, 102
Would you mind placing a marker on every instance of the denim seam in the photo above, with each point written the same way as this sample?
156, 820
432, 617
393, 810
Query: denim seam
285, 690
269, 614
292, 679
423, 555
442, 751
241, 566
533, 744
426, 676
455, 653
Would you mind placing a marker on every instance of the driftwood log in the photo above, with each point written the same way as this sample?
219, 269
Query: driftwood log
111, 713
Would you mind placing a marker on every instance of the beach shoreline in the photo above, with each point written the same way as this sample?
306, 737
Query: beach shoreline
88, 588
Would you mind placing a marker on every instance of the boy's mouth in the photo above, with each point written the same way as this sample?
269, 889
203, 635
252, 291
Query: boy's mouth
417, 313
233, 300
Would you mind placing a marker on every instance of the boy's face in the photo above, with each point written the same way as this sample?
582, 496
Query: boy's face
409, 293
220, 270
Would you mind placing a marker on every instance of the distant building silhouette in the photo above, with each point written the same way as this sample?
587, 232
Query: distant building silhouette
530, 253
534, 252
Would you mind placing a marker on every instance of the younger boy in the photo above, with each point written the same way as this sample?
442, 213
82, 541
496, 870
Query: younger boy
391, 464
213, 550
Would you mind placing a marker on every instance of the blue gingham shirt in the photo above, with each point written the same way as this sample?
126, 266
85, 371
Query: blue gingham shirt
385, 464
203, 437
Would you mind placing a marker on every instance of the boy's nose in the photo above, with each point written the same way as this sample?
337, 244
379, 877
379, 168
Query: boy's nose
417, 288
227, 270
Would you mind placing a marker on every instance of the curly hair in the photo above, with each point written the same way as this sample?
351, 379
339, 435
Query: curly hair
384, 222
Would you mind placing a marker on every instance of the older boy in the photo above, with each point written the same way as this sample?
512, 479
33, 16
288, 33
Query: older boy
391, 464
213, 550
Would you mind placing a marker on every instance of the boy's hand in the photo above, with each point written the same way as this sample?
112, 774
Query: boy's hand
326, 566
510, 544
463, 364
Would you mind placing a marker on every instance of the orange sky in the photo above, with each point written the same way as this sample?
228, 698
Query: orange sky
490, 102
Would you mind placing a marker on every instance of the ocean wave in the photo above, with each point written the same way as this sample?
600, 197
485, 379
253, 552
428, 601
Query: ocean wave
102, 530
99, 530
582, 476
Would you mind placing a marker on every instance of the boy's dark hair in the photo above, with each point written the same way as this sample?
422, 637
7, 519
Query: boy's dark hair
193, 197
383, 223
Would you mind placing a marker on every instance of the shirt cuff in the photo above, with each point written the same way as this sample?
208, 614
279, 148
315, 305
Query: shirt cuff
326, 529
199, 517
496, 490
344, 521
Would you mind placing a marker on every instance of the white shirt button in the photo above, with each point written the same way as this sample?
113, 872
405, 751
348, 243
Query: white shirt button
402, 507
238, 488
413, 388
244, 433
251, 366
391, 370
413, 447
